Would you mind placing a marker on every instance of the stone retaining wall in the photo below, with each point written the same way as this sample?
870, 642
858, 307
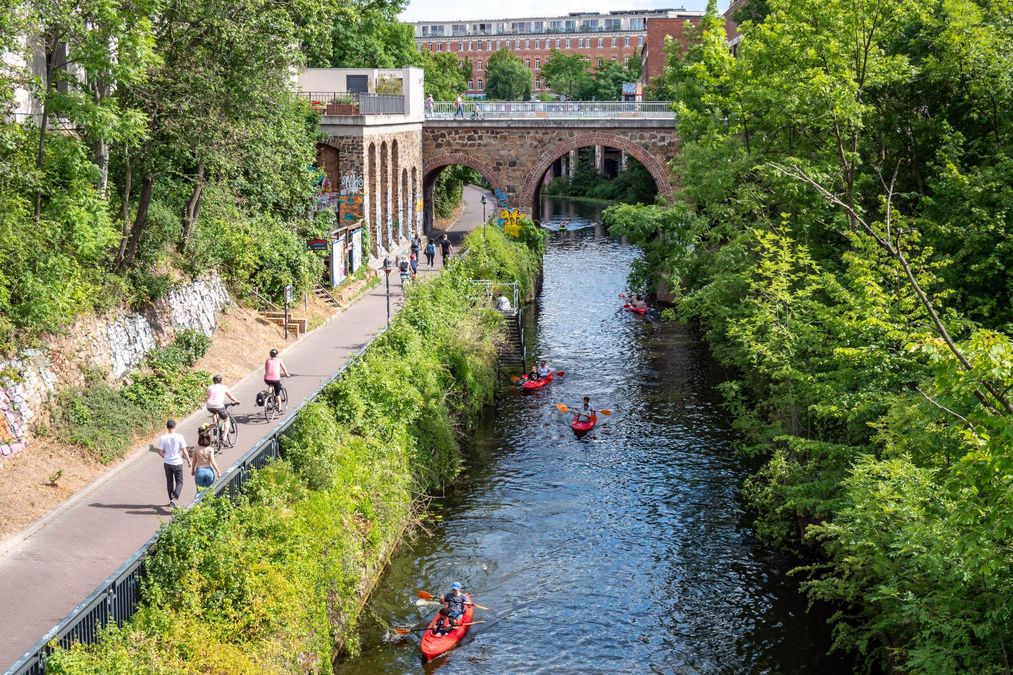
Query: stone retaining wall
115, 344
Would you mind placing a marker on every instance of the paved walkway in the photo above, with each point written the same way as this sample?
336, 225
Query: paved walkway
74, 549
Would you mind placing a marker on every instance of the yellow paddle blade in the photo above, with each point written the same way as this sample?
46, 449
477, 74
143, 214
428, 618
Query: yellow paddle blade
563, 408
605, 412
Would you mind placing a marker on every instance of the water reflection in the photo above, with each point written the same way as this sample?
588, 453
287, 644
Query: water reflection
624, 551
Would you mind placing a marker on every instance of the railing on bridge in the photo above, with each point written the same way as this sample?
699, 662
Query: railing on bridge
330, 103
480, 110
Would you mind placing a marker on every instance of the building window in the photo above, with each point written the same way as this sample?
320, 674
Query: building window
479, 67
481, 85
527, 63
640, 41
538, 44
489, 45
460, 46
471, 84
499, 44
614, 40
601, 43
538, 64
626, 41
567, 43
558, 42
471, 46
600, 62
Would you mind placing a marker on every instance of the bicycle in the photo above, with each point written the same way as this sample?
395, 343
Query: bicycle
221, 440
273, 404
477, 114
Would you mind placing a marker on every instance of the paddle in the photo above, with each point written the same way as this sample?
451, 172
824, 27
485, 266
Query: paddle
565, 409
406, 631
517, 378
429, 597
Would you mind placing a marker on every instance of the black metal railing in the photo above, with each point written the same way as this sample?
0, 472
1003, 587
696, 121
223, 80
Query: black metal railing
118, 597
338, 103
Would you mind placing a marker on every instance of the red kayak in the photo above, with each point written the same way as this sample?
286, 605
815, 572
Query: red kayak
583, 427
639, 310
528, 385
434, 645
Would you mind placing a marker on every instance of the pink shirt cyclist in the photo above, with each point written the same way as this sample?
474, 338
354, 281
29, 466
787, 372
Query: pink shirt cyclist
274, 369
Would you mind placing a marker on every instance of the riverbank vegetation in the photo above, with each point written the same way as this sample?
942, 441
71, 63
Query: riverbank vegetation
633, 185
273, 581
842, 236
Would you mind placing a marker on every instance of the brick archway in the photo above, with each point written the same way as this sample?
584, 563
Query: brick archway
433, 164
658, 170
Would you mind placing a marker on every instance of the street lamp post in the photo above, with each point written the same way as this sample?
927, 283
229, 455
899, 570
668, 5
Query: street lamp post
387, 266
484, 201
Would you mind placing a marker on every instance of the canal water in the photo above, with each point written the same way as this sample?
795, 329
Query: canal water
626, 550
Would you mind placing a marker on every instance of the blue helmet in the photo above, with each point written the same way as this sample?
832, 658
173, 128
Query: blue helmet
456, 586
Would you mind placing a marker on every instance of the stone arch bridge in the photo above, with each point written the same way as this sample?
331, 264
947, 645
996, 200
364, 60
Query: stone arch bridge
516, 155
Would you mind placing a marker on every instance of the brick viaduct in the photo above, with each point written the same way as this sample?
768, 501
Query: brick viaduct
513, 155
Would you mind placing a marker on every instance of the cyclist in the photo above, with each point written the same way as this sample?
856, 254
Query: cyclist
274, 370
217, 393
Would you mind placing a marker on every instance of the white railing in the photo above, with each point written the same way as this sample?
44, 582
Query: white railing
480, 110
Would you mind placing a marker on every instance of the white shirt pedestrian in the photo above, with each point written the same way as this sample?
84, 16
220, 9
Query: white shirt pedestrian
171, 446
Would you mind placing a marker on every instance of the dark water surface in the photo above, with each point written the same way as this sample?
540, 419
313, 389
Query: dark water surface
626, 550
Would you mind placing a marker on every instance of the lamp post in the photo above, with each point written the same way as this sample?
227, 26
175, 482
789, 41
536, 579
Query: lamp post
387, 266
484, 200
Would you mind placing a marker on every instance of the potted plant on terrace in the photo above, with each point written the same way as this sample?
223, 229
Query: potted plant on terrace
343, 104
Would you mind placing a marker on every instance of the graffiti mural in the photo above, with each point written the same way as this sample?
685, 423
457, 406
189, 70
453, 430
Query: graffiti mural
351, 204
502, 197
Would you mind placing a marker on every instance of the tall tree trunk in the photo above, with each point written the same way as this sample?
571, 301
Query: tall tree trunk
128, 179
192, 209
140, 221
100, 147
40, 157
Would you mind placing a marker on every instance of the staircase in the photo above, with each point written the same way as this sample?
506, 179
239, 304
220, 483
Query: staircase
296, 327
512, 353
329, 299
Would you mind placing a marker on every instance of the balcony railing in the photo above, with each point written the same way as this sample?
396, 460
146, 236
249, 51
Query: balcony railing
338, 103
506, 110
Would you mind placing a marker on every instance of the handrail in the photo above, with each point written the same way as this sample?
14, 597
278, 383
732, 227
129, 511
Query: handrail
551, 109
117, 598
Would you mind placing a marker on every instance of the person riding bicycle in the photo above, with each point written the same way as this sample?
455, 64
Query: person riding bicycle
274, 370
215, 403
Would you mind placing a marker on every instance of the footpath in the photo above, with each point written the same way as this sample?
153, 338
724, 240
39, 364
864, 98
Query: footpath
63, 557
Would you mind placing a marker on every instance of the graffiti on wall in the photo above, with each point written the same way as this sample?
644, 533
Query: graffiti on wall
350, 202
502, 197
510, 221
12, 436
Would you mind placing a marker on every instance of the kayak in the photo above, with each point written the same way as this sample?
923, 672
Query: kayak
639, 310
583, 427
529, 385
434, 645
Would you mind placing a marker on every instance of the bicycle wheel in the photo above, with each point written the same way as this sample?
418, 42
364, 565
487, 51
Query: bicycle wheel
233, 435
216, 438
270, 408
282, 402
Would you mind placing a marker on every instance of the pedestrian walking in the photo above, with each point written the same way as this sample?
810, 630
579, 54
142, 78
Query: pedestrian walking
413, 262
445, 248
458, 107
204, 469
172, 447
431, 253
416, 246
430, 105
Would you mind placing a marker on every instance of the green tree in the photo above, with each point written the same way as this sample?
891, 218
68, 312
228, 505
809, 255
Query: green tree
446, 74
506, 77
368, 34
566, 74
606, 82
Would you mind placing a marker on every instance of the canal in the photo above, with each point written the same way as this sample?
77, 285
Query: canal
626, 550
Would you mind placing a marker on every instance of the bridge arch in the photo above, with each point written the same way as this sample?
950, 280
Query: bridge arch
532, 183
431, 169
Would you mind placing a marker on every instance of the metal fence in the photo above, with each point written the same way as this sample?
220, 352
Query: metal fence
340, 103
478, 110
118, 597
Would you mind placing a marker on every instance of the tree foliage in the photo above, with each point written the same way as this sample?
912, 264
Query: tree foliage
506, 77
572, 76
844, 206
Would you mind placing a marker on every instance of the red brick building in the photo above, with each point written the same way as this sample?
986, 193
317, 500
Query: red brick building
652, 54
598, 37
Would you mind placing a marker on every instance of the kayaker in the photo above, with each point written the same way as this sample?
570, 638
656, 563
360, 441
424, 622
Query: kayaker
544, 370
533, 375
455, 602
443, 623
639, 302
584, 413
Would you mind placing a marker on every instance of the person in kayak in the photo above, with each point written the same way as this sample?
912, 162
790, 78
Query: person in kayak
455, 602
533, 374
443, 624
544, 370
585, 412
638, 302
